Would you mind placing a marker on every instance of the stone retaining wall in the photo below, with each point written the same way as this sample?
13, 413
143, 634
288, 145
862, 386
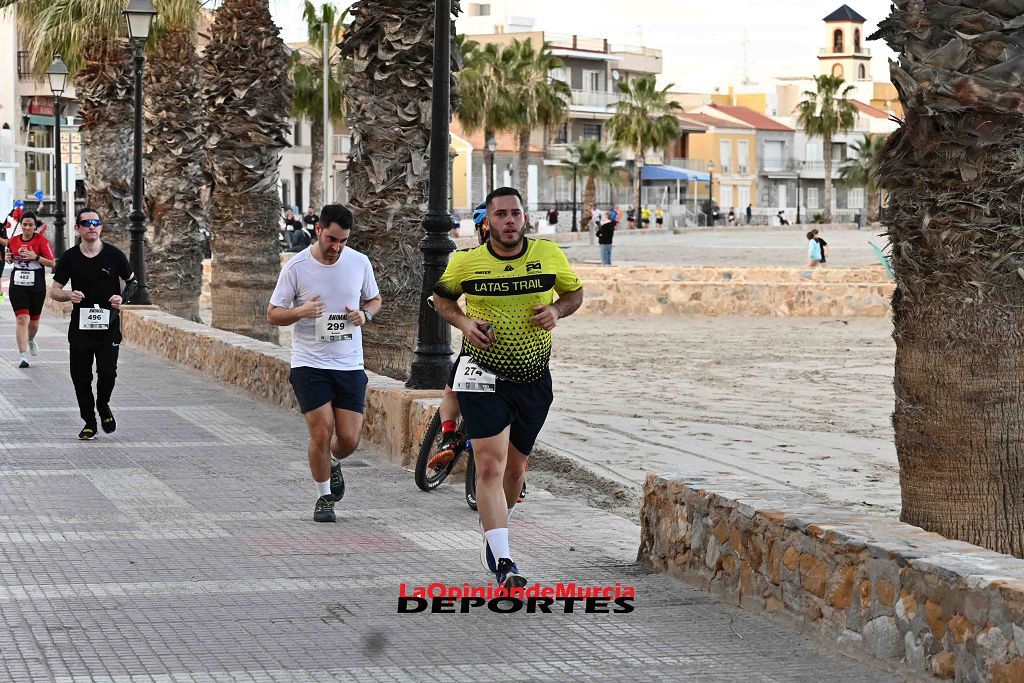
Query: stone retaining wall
712, 291
869, 584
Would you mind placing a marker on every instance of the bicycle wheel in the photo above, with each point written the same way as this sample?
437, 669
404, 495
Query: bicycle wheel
428, 478
471, 481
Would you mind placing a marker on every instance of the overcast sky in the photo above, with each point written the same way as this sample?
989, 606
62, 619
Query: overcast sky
702, 40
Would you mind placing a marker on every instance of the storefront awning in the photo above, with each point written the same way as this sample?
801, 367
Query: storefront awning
672, 173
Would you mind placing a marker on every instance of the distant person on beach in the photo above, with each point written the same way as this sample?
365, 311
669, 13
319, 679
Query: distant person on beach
731, 218
815, 253
781, 215
823, 244
750, 214
605, 234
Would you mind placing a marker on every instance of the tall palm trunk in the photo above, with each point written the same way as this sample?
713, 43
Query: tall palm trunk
247, 97
104, 88
175, 175
390, 45
316, 166
522, 172
589, 202
488, 163
953, 173
874, 199
826, 143
638, 170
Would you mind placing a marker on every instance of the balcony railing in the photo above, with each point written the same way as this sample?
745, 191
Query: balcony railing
856, 51
791, 165
594, 98
574, 42
342, 144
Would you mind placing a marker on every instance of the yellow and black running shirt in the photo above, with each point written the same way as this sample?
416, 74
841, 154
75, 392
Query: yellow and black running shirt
503, 292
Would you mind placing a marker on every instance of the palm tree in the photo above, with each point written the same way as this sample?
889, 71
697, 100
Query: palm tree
308, 76
176, 178
596, 162
247, 97
826, 112
536, 98
861, 170
486, 95
389, 45
89, 36
952, 171
644, 119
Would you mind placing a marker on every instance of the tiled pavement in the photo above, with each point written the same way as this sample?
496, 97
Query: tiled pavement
181, 549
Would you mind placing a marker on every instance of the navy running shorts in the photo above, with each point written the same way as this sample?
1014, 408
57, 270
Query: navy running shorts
315, 387
523, 406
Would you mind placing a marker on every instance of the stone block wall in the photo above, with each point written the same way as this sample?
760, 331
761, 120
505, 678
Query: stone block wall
934, 606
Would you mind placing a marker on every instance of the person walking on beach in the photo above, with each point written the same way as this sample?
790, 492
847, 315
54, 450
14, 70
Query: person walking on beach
605, 234
815, 257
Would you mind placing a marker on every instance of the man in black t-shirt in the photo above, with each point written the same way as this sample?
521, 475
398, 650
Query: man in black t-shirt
95, 271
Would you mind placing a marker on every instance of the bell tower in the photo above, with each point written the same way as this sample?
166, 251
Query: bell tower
844, 53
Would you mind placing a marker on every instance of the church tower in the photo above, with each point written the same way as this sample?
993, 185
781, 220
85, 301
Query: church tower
844, 53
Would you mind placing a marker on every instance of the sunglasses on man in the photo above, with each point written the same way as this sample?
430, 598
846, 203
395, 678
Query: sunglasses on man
90, 223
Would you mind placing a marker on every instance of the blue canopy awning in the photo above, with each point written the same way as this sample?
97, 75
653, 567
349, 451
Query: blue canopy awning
673, 173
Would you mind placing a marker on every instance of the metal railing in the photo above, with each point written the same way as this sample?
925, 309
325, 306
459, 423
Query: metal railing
575, 42
594, 98
25, 67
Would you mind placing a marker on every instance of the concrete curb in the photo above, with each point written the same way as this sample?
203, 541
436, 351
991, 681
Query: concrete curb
868, 584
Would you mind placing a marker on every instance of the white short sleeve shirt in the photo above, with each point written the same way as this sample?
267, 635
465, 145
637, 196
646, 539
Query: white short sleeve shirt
346, 283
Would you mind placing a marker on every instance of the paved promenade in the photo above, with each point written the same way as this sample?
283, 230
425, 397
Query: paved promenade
181, 549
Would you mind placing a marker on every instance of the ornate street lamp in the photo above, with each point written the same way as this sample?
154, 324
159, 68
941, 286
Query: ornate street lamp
433, 360
799, 167
139, 15
711, 183
57, 74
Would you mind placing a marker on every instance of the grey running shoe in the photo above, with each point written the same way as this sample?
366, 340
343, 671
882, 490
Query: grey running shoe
324, 510
33, 347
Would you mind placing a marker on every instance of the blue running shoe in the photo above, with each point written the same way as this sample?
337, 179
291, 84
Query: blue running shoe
508, 575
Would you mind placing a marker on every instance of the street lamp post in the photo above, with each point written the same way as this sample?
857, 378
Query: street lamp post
574, 159
57, 74
711, 184
139, 15
433, 359
799, 201
492, 147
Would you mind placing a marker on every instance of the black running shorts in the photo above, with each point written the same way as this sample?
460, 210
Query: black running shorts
25, 301
315, 387
523, 406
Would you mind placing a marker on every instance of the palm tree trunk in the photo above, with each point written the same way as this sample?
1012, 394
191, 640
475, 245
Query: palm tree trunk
589, 202
175, 179
874, 197
826, 143
522, 173
316, 166
247, 95
638, 169
957, 322
104, 89
390, 43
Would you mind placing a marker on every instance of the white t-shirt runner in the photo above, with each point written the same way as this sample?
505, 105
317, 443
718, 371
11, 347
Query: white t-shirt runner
346, 283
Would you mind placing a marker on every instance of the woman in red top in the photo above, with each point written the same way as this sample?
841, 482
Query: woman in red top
29, 252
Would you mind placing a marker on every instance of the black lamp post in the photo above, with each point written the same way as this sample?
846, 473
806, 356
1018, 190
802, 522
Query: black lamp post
57, 74
139, 14
433, 359
798, 199
711, 201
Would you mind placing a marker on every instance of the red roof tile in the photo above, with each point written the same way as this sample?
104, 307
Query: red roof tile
717, 122
751, 117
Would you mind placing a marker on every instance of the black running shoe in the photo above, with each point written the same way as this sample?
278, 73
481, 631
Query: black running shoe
109, 424
337, 482
508, 575
324, 510
88, 433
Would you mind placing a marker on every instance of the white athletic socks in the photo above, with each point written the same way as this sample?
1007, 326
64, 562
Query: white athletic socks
324, 487
497, 539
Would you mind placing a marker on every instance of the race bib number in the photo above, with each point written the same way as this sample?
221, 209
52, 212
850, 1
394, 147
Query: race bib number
24, 278
332, 327
471, 377
94, 318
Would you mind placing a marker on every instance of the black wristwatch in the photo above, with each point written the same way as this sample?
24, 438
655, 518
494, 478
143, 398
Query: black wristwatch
369, 317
